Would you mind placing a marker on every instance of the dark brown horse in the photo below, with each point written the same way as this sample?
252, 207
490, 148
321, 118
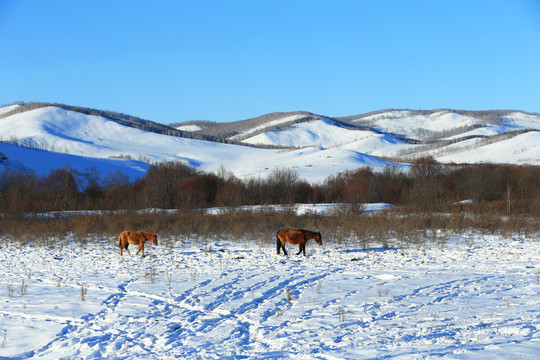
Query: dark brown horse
135, 238
299, 237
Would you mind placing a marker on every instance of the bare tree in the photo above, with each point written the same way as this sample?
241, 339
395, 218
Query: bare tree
282, 185
425, 168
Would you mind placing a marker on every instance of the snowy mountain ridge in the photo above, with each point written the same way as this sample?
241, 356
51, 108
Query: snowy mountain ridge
316, 146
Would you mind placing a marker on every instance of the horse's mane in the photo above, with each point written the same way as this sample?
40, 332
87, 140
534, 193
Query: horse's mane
310, 232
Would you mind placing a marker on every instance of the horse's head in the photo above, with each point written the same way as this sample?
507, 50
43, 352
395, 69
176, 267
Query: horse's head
318, 239
153, 239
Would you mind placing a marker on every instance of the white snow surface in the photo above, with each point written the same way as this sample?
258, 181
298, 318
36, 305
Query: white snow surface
43, 162
418, 126
472, 297
521, 149
5, 109
522, 120
268, 124
300, 209
422, 126
489, 130
189, 128
323, 133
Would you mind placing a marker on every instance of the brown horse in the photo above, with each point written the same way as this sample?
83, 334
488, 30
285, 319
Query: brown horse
299, 237
135, 238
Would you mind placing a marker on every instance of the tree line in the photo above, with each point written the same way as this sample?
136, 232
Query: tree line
428, 186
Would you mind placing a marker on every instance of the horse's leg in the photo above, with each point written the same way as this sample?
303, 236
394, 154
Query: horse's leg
141, 248
301, 244
280, 245
126, 247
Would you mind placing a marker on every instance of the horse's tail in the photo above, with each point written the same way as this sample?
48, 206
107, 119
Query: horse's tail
279, 243
120, 239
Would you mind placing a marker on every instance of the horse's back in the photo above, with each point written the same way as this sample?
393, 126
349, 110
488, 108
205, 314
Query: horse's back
286, 232
132, 237
290, 235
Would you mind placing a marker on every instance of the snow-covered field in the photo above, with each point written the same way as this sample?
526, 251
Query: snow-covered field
473, 296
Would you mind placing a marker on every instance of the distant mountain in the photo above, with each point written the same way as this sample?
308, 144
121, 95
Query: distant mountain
50, 136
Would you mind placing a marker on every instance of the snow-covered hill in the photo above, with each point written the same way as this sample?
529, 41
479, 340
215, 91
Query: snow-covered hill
315, 146
449, 136
76, 139
322, 132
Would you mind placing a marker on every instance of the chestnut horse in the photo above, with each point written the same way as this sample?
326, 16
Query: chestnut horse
299, 237
135, 238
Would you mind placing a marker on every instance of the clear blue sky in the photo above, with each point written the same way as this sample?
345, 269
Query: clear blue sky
171, 61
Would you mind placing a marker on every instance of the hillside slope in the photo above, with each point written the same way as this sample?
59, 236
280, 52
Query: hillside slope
314, 145
57, 130
451, 136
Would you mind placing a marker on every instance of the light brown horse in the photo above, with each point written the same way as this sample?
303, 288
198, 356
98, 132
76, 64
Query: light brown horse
299, 237
135, 238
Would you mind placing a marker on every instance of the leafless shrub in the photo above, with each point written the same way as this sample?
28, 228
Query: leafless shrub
341, 314
319, 285
10, 291
150, 275
386, 229
23, 288
288, 294
382, 292
84, 292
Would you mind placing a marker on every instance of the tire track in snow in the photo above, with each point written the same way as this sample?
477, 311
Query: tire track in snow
238, 324
67, 338
442, 323
248, 327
